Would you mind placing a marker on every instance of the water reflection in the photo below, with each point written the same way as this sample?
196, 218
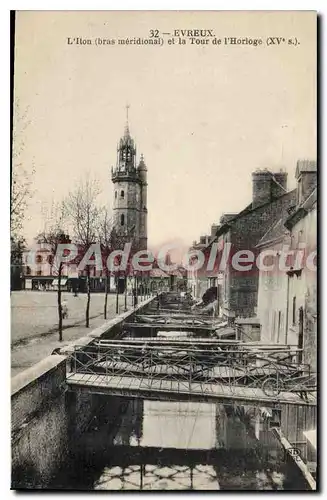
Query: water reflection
181, 425
182, 446
153, 477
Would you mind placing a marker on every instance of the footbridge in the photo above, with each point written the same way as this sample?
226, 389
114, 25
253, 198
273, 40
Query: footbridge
196, 369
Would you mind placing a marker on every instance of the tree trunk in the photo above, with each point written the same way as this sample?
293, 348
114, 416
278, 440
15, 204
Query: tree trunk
106, 296
117, 296
59, 302
87, 314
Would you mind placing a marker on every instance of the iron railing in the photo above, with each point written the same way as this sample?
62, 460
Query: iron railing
271, 368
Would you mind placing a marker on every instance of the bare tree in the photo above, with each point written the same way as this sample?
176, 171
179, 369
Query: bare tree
52, 237
105, 239
83, 213
20, 192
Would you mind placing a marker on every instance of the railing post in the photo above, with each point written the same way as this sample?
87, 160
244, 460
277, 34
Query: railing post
190, 374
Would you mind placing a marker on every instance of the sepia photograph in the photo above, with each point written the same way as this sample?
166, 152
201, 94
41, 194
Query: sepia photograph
163, 250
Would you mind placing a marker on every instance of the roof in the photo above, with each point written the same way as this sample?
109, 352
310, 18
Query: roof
158, 273
305, 166
176, 272
249, 210
306, 206
274, 233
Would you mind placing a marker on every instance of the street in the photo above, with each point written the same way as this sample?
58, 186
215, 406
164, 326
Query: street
34, 322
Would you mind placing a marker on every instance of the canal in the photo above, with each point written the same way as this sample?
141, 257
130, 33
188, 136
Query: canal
155, 445
171, 445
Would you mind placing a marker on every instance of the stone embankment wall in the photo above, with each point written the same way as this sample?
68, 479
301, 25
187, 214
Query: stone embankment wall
46, 417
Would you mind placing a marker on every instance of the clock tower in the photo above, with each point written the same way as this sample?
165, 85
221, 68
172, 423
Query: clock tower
130, 194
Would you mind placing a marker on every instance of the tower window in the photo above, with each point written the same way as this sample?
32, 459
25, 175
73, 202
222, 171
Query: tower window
122, 194
115, 194
122, 219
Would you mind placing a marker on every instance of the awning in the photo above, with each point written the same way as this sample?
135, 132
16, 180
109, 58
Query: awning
63, 282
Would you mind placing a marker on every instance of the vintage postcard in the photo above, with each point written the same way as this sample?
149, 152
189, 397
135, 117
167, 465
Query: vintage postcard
164, 250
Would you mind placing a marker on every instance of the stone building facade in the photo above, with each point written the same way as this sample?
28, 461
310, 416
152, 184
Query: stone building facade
287, 300
241, 233
197, 281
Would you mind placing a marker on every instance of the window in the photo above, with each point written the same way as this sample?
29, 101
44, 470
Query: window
39, 259
28, 270
294, 311
122, 219
115, 194
39, 273
122, 194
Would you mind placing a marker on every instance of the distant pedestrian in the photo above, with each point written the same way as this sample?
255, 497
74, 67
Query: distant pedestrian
64, 310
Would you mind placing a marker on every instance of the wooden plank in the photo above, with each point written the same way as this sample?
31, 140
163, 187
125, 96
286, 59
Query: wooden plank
221, 391
169, 326
297, 459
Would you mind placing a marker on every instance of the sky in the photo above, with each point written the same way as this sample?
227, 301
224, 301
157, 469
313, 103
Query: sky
204, 117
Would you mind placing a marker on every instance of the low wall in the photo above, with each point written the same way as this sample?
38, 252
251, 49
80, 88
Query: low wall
39, 422
45, 416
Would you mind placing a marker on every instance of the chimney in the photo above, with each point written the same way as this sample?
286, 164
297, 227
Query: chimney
306, 175
214, 229
227, 217
267, 186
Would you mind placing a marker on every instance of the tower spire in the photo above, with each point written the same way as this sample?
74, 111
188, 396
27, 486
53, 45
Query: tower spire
127, 124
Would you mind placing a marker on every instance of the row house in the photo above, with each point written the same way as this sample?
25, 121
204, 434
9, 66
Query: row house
237, 238
199, 280
287, 295
41, 273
